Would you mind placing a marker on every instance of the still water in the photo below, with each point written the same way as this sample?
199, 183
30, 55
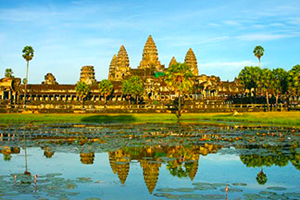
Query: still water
149, 161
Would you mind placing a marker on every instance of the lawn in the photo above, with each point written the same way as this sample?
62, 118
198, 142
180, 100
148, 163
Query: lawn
265, 118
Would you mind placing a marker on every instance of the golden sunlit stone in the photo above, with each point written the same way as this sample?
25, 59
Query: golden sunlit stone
122, 68
173, 61
151, 173
191, 61
150, 56
87, 75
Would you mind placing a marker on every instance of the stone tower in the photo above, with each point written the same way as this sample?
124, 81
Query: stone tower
191, 61
173, 61
87, 75
151, 173
49, 80
150, 56
122, 65
193, 167
112, 68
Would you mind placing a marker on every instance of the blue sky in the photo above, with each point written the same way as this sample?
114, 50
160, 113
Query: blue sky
69, 34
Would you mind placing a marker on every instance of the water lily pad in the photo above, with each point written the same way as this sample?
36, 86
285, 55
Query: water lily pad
184, 189
219, 184
205, 187
162, 194
84, 179
266, 193
276, 188
232, 190
253, 196
166, 190
292, 195
239, 184
173, 196
214, 196
192, 196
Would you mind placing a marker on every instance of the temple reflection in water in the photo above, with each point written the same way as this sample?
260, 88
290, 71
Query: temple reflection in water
181, 161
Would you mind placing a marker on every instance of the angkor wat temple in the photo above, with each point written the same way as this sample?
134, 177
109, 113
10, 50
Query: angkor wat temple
208, 91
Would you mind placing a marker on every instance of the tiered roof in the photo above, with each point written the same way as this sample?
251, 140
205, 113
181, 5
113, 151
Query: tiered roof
191, 61
150, 56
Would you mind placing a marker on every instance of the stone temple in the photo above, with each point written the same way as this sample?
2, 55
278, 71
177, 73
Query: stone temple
52, 95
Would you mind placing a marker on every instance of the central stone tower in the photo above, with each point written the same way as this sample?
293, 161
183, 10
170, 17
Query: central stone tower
150, 56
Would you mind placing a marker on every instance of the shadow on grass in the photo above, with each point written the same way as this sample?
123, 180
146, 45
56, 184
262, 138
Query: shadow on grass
108, 119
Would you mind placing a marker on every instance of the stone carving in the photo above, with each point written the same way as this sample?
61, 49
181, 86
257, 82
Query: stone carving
49, 80
150, 56
173, 61
122, 68
191, 61
87, 75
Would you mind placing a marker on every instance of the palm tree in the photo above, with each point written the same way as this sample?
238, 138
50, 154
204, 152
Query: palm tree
258, 52
266, 83
249, 77
9, 73
82, 90
106, 88
294, 80
28, 54
279, 83
261, 178
179, 78
133, 86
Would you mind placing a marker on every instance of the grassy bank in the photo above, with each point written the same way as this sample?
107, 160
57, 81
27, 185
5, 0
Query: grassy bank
266, 118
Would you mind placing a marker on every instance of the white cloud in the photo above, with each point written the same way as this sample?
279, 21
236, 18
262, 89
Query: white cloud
231, 23
265, 37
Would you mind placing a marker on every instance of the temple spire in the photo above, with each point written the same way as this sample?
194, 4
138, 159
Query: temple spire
112, 68
150, 56
191, 61
122, 64
173, 61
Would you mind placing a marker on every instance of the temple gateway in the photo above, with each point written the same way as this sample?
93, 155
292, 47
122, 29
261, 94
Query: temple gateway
50, 95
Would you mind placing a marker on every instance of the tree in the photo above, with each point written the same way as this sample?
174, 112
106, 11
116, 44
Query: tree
266, 83
133, 86
179, 78
9, 73
279, 82
28, 54
294, 80
82, 90
249, 77
258, 52
261, 178
106, 88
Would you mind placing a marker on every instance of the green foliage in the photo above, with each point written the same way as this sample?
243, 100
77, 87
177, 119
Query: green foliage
258, 52
82, 90
294, 80
179, 77
249, 77
105, 87
265, 81
28, 53
9, 73
279, 81
24, 81
261, 178
133, 86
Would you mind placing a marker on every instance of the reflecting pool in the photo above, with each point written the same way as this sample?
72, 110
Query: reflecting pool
149, 161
